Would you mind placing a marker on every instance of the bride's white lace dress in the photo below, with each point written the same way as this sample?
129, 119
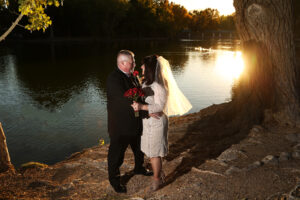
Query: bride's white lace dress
154, 141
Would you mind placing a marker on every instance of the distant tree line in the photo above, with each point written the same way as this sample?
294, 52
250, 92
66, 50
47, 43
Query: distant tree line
122, 18
125, 19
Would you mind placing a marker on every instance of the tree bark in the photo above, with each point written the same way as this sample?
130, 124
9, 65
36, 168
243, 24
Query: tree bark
5, 163
4, 35
269, 80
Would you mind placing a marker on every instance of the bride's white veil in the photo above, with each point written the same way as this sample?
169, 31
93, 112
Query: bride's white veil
177, 103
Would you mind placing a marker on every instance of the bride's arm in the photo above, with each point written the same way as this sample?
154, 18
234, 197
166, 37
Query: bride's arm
160, 99
139, 106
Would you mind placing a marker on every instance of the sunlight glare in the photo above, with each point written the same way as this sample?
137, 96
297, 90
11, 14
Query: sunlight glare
225, 7
229, 65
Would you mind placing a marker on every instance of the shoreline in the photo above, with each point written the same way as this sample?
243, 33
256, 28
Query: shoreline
203, 163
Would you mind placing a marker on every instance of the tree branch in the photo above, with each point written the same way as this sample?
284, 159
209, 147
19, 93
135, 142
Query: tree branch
4, 35
5, 163
21, 26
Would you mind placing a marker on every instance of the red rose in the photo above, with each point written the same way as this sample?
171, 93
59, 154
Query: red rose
135, 73
126, 94
130, 92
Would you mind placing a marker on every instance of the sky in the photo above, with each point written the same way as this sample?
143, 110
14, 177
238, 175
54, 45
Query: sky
225, 7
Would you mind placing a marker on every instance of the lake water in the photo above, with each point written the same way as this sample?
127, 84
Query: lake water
53, 98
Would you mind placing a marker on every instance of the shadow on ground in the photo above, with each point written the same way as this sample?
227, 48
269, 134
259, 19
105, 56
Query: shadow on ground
207, 138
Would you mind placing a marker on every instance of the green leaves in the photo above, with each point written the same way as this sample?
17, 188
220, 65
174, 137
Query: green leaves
35, 11
4, 3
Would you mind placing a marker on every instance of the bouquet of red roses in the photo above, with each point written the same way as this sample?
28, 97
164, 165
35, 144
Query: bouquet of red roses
134, 94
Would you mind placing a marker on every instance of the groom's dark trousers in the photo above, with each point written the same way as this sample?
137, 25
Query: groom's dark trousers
123, 127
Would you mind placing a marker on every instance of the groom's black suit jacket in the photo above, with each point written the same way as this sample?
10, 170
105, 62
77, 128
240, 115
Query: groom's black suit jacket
121, 119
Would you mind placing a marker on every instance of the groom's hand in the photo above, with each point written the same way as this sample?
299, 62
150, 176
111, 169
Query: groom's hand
156, 115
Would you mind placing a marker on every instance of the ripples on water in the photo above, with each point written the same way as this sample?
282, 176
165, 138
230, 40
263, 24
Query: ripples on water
52, 97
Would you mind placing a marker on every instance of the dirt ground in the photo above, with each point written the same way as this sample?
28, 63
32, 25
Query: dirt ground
206, 160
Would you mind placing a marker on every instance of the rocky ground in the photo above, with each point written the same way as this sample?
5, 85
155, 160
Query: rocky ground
203, 163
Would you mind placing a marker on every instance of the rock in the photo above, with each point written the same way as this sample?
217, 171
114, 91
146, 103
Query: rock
296, 147
254, 165
197, 184
72, 165
254, 132
68, 186
194, 169
284, 156
77, 181
278, 196
223, 163
161, 197
229, 155
270, 159
87, 175
94, 165
254, 141
296, 155
257, 128
36, 184
292, 138
295, 193
185, 153
232, 170
217, 162
74, 155
136, 198
86, 160
64, 187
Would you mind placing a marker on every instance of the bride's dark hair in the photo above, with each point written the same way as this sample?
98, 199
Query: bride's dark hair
150, 63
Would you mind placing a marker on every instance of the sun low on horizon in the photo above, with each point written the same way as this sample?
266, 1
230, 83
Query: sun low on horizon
225, 7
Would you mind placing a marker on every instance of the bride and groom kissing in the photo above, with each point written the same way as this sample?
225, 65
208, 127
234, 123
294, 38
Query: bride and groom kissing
146, 133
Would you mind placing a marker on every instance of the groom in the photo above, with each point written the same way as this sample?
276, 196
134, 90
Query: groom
123, 127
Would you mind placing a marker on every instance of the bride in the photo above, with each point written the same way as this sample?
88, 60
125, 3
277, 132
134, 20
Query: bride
167, 99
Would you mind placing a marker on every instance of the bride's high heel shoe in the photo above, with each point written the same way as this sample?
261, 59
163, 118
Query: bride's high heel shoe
156, 184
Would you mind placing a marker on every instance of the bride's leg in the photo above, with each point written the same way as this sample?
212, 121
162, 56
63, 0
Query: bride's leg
162, 173
156, 166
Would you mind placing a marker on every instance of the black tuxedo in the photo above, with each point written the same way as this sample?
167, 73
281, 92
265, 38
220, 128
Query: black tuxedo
121, 119
123, 127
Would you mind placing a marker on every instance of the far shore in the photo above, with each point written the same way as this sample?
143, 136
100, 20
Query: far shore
98, 40
107, 40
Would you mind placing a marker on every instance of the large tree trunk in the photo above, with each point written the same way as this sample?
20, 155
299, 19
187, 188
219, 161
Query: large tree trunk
5, 163
269, 80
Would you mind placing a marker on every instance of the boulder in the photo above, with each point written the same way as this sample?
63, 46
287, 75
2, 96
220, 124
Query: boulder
284, 156
270, 159
254, 165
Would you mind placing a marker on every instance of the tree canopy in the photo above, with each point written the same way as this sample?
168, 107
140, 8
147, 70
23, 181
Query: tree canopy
114, 18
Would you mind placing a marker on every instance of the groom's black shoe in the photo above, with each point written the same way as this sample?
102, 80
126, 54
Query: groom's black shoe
143, 171
119, 188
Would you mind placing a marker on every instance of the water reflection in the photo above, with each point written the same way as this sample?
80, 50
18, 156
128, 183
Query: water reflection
230, 64
53, 98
